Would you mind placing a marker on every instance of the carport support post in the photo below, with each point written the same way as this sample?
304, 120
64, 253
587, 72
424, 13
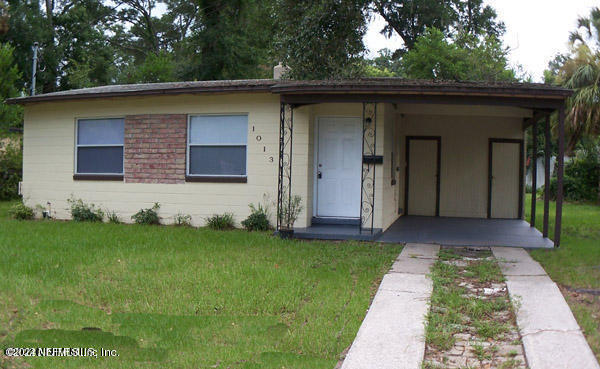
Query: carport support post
546, 175
533, 172
559, 175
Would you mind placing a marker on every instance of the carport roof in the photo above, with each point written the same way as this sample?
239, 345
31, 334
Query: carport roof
370, 86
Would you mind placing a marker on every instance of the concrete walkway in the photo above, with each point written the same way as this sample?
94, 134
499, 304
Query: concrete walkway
551, 336
392, 335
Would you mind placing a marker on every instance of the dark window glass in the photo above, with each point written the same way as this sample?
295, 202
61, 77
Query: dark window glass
218, 160
100, 160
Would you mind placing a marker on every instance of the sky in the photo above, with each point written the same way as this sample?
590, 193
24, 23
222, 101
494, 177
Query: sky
536, 30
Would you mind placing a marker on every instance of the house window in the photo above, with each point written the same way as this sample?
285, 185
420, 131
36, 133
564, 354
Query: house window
100, 146
217, 145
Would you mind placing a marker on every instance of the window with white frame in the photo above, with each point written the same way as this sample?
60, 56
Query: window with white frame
217, 145
100, 146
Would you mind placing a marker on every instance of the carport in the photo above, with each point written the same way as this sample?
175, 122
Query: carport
442, 162
465, 232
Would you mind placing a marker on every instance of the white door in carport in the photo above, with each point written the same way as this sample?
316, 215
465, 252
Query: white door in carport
505, 180
339, 162
422, 176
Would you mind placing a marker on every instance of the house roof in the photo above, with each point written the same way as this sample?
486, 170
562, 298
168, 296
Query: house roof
363, 85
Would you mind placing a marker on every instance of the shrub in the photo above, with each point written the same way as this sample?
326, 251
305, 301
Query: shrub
221, 222
113, 217
11, 166
291, 209
183, 220
82, 212
258, 220
21, 211
581, 178
147, 216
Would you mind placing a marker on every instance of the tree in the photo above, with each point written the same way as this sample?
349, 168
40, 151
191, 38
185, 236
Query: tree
71, 34
10, 115
233, 40
321, 39
581, 72
467, 58
411, 18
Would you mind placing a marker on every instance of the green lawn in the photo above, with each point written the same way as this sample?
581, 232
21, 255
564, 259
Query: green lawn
181, 297
576, 264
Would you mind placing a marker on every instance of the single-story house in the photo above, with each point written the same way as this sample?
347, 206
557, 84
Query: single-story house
362, 154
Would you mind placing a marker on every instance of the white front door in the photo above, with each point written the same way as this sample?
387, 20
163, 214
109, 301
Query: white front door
339, 165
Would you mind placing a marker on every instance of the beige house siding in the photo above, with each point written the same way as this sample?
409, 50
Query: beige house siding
49, 141
464, 164
48, 161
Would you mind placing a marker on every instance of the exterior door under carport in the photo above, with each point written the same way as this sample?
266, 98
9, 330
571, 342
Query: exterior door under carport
422, 177
505, 182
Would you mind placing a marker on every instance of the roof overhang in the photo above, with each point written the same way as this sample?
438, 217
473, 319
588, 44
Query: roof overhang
385, 90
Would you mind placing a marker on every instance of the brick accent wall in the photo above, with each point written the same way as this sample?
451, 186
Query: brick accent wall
155, 147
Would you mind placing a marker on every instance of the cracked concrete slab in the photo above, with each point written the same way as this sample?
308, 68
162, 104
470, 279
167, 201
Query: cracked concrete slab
420, 250
392, 334
406, 282
522, 269
551, 336
412, 265
564, 350
510, 254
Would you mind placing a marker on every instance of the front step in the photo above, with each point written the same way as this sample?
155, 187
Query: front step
336, 221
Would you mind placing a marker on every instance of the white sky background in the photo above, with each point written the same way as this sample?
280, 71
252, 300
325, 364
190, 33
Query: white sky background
535, 30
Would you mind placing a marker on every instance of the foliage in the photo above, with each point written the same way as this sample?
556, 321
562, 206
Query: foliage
383, 65
73, 37
113, 217
11, 116
82, 212
258, 220
580, 71
21, 211
581, 181
321, 39
411, 19
221, 222
11, 167
291, 209
155, 68
147, 216
465, 58
181, 219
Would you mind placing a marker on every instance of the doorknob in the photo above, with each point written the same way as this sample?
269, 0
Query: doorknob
319, 175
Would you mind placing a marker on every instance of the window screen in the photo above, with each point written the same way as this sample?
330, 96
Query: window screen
100, 146
217, 145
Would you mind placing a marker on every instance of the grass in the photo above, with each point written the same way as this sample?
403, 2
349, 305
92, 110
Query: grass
576, 264
181, 297
450, 305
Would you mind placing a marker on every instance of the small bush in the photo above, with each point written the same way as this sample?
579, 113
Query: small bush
258, 220
221, 222
82, 212
113, 217
11, 166
21, 211
183, 220
147, 216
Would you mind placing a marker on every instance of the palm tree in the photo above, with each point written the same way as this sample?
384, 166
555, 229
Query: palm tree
581, 72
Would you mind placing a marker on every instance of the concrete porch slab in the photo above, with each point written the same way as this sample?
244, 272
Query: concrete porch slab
392, 334
465, 232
